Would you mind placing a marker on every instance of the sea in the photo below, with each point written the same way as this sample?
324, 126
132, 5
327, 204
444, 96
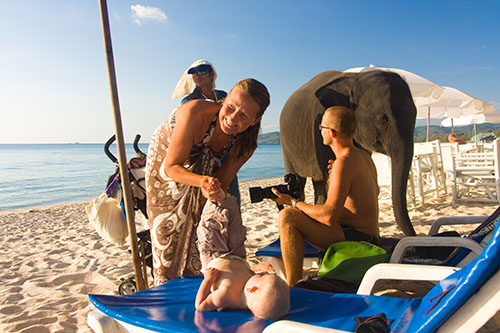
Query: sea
34, 175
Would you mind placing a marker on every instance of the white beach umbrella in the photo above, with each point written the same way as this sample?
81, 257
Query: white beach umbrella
492, 117
472, 119
458, 105
455, 103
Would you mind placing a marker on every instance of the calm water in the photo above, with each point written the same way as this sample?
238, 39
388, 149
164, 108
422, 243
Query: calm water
34, 175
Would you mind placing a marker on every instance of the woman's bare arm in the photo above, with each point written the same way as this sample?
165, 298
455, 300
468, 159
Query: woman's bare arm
192, 121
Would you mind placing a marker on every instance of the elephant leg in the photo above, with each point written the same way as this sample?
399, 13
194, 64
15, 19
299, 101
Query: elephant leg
319, 191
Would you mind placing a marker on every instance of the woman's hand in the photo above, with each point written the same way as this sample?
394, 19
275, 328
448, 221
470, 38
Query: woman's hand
211, 189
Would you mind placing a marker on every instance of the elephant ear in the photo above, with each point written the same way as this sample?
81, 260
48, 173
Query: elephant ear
337, 92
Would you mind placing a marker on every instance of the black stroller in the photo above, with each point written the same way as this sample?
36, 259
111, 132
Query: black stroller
136, 170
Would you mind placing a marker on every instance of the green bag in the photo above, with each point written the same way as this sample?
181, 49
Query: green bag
349, 260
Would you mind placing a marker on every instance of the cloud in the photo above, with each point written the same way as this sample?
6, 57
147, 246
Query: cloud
477, 49
141, 14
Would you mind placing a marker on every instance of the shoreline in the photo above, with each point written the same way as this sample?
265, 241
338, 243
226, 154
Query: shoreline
51, 256
275, 180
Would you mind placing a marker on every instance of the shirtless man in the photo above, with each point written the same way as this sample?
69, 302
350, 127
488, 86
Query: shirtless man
351, 208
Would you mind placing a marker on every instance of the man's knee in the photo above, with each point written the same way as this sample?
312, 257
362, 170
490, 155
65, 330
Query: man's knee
288, 218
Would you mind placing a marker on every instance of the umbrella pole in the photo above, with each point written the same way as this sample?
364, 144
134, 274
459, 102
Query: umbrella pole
452, 132
428, 121
475, 133
140, 277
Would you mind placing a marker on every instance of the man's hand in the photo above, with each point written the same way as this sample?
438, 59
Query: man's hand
282, 198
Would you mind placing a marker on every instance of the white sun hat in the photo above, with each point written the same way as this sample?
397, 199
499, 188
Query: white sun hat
186, 85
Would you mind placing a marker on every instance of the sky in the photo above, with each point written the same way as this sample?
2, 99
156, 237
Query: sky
54, 85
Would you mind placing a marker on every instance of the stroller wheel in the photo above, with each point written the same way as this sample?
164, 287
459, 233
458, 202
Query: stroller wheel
127, 286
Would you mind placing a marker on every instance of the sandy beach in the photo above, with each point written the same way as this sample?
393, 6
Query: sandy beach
51, 257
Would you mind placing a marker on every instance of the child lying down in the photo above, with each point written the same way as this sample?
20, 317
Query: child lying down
234, 285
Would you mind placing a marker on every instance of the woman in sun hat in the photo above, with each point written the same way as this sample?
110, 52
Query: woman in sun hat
201, 76
198, 82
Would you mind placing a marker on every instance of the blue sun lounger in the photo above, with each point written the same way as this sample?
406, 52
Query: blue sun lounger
463, 301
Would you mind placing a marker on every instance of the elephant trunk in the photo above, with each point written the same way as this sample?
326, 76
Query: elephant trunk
400, 165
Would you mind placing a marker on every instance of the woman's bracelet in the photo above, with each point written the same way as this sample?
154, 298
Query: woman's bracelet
294, 203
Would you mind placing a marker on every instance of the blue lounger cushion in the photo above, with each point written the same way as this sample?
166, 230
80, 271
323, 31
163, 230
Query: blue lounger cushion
170, 307
274, 250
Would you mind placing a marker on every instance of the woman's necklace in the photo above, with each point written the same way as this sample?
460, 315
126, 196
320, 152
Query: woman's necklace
212, 99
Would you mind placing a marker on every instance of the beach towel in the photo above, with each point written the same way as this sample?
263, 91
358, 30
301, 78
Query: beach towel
349, 260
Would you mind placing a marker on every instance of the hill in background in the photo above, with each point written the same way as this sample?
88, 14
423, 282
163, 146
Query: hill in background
435, 133
272, 137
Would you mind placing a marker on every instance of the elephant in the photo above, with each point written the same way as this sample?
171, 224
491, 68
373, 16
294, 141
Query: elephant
385, 114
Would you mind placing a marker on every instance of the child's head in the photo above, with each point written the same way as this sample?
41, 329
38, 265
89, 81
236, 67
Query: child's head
268, 296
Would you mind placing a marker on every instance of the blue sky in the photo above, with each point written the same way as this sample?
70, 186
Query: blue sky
53, 76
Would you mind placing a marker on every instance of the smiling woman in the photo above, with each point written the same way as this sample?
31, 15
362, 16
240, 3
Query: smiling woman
199, 144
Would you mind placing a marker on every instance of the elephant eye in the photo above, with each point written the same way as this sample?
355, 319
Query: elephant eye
382, 119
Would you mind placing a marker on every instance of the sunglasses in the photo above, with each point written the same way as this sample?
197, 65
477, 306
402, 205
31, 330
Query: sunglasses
198, 72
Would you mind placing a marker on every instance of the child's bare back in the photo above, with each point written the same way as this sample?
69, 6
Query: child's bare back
233, 274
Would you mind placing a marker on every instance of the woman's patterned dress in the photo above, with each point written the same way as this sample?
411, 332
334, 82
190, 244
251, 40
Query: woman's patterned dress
174, 209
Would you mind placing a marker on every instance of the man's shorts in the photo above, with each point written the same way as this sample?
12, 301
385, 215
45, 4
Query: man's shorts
352, 234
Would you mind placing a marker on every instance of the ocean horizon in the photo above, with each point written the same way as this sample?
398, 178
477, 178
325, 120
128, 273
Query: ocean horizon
35, 175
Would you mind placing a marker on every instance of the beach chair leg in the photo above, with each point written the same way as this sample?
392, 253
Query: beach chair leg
278, 265
101, 323
497, 319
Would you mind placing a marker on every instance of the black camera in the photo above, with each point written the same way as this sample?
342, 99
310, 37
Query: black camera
291, 187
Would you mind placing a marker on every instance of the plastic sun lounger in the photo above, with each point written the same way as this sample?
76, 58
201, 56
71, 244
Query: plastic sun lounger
461, 302
467, 248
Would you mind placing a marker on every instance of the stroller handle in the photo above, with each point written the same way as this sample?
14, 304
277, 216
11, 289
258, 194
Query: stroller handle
107, 152
136, 146
110, 142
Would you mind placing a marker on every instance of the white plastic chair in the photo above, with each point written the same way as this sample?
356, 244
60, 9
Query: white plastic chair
476, 176
427, 174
